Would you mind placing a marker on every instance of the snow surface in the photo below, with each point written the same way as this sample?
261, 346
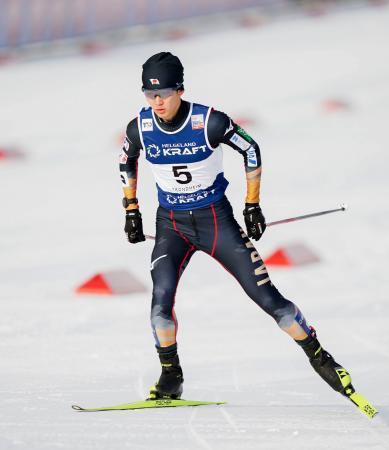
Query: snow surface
61, 221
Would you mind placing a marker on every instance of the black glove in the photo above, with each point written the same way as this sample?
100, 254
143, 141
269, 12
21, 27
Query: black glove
133, 227
254, 220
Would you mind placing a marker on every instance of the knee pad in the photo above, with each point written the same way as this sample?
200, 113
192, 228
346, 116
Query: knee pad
161, 316
291, 315
285, 315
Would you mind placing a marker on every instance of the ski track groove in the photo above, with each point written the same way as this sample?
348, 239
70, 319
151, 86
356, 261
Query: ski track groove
228, 418
202, 443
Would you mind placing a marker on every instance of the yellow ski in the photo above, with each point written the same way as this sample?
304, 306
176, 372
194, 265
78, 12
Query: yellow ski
363, 405
159, 403
359, 400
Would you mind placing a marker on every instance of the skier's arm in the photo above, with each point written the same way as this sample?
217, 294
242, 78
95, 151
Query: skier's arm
128, 163
222, 129
129, 175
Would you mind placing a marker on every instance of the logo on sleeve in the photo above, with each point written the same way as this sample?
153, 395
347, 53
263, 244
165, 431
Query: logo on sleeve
147, 124
240, 142
126, 144
197, 121
252, 157
123, 158
244, 133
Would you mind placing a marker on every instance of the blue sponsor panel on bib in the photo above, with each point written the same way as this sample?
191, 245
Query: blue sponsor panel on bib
193, 200
176, 152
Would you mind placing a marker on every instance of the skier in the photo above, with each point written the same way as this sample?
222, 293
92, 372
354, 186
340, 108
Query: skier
182, 141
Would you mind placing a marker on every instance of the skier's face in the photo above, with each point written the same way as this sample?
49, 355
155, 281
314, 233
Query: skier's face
166, 107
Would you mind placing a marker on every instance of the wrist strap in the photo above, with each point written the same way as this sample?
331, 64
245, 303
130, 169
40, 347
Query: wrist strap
126, 202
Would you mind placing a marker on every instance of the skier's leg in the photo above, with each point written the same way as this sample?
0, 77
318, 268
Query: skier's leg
170, 256
231, 247
246, 265
224, 240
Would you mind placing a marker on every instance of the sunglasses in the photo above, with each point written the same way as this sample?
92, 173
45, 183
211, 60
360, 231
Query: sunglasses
163, 93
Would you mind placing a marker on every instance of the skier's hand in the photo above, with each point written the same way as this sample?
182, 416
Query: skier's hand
133, 227
254, 220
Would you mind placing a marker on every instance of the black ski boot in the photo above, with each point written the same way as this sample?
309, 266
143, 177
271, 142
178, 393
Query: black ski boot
170, 383
325, 365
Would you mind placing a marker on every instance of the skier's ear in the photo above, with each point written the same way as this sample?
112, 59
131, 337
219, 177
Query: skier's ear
181, 92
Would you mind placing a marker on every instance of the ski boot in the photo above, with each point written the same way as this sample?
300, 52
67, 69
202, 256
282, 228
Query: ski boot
334, 374
325, 365
170, 383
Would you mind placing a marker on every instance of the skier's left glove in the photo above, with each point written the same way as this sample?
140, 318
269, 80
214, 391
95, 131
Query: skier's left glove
134, 227
254, 220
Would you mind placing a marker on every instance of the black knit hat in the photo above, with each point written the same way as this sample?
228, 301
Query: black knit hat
162, 70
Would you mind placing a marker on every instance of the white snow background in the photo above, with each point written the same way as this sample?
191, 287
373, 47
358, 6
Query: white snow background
61, 221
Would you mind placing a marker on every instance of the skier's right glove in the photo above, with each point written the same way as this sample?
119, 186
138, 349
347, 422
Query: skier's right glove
254, 220
133, 227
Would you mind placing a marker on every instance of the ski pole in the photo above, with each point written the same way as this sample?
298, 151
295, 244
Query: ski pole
342, 207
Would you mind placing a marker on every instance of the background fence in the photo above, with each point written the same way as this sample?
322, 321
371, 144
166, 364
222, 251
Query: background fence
24, 22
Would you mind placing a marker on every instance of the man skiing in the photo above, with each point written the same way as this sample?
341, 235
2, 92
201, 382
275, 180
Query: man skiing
182, 141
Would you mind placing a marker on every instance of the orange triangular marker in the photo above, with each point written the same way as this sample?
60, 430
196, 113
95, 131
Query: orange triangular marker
10, 153
112, 282
278, 258
95, 285
290, 255
334, 105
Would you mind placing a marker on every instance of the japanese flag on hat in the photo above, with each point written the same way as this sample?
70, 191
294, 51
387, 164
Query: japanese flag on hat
161, 71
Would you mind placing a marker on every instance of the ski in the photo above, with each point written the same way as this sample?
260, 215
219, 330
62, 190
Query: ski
159, 403
362, 404
358, 399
